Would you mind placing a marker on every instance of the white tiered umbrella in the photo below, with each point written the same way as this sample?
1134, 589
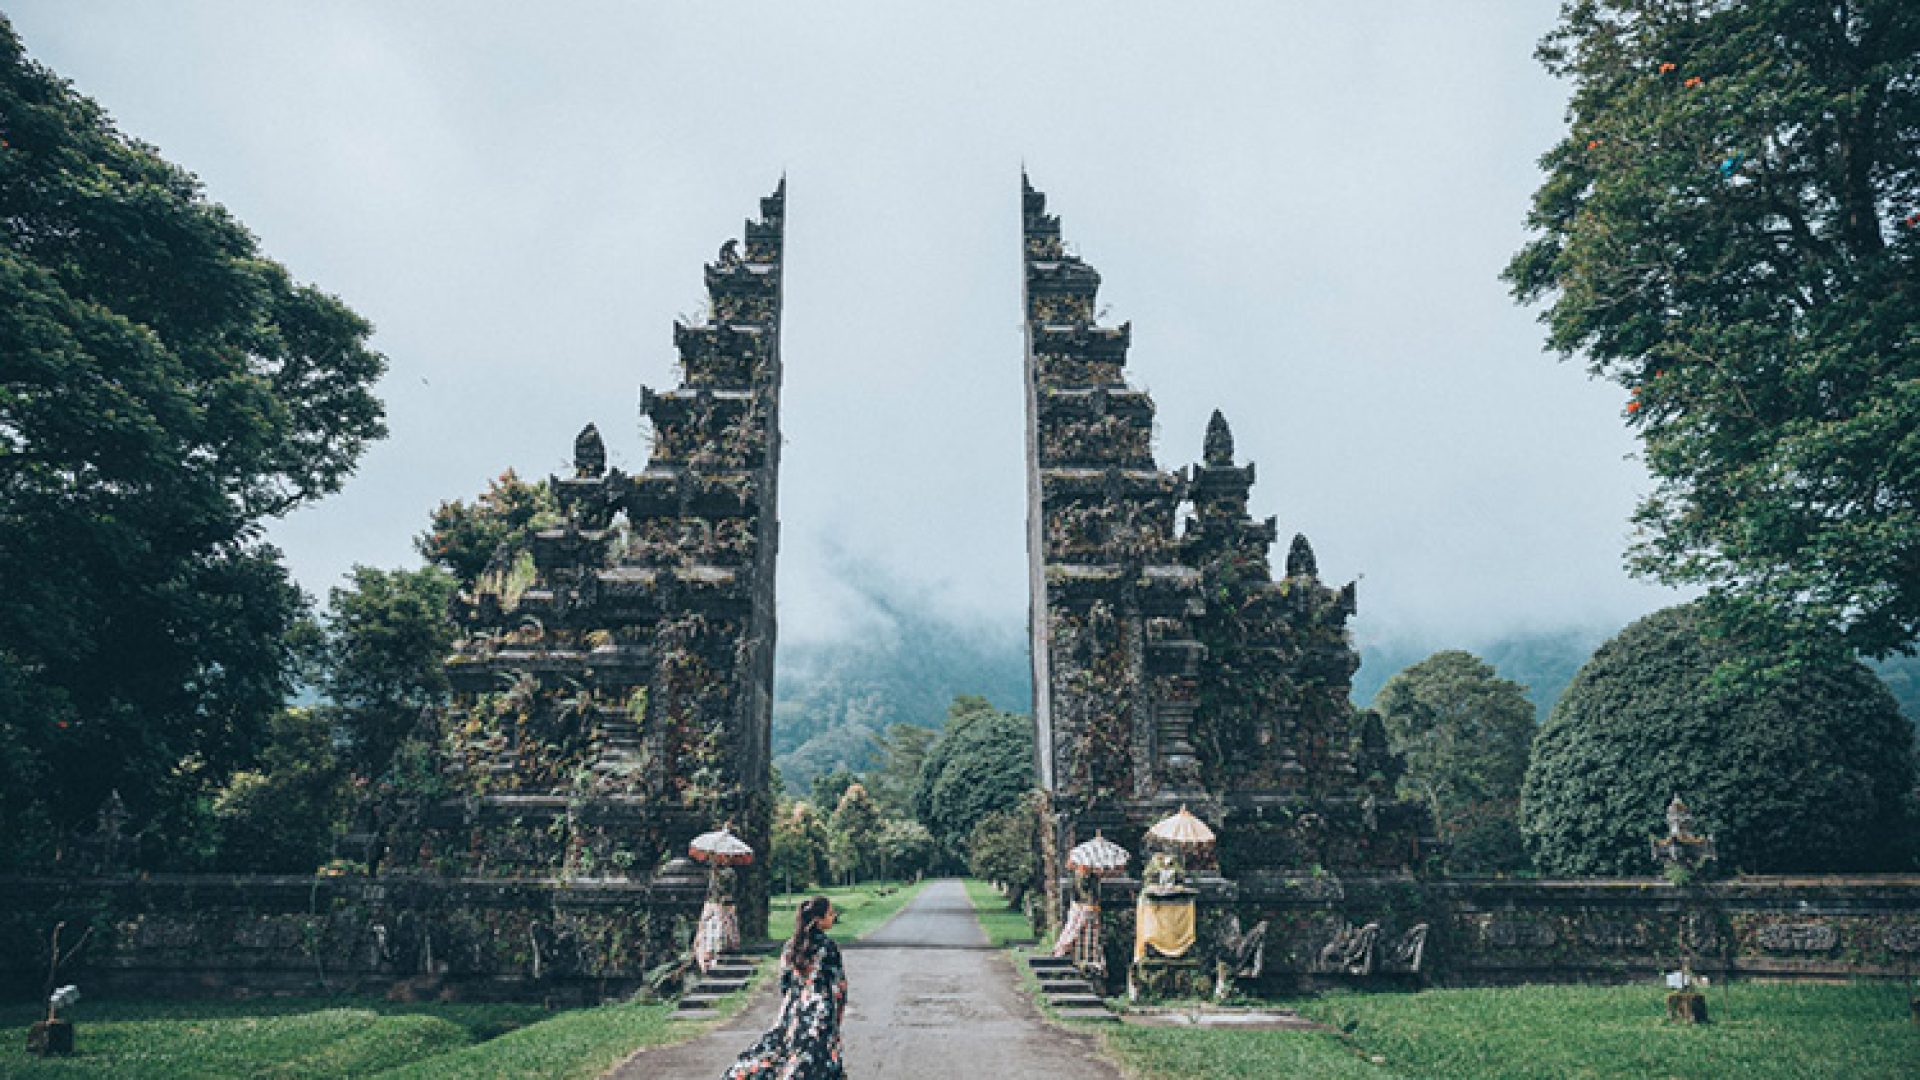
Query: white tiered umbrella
721, 848
1100, 857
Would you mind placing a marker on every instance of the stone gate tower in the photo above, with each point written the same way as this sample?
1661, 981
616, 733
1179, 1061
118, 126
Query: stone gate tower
1169, 665
613, 695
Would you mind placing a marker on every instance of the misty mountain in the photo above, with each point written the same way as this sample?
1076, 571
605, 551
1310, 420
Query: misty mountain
831, 698
1544, 663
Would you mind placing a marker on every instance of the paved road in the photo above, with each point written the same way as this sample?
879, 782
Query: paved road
928, 1000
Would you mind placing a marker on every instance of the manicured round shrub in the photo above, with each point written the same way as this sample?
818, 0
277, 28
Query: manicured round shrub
1798, 773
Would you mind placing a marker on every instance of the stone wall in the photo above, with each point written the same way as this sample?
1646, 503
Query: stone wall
589, 940
1488, 932
567, 942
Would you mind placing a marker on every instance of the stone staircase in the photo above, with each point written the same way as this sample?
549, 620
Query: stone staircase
1070, 995
617, 767
730, 973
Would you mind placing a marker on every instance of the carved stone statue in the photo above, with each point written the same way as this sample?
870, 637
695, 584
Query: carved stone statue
589, 454
1679, 819
1164, 876
722, 883
1242, 955
1300, 561
1682, 849
1218, 448
1410, 952
113, 825
1374, 760
1353, 950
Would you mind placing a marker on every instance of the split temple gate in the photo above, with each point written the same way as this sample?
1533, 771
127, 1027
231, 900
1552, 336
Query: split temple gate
613, 696
612, 699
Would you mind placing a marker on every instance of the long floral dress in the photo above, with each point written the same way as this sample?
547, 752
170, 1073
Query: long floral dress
804, 1043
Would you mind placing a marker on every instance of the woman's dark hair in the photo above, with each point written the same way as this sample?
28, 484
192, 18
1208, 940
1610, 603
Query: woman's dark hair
800, 945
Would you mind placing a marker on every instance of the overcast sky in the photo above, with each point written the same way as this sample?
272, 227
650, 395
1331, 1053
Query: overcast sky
1302, 208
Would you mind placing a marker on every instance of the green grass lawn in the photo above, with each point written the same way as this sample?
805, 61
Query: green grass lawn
579, 1043
309, 1037
358, 1037
343, 1037
862, 907
1004, 925
1770, 1031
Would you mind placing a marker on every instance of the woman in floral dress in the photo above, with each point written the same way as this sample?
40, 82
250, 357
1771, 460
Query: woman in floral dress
804, 1043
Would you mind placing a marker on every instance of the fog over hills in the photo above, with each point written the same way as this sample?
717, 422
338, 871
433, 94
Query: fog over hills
911, 657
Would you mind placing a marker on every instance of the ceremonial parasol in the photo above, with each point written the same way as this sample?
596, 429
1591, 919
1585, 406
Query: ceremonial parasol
1182, 831
721, 848
1099, 856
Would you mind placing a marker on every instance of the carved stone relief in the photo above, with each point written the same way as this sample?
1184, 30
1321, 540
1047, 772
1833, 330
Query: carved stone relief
1508, 934
1797, 937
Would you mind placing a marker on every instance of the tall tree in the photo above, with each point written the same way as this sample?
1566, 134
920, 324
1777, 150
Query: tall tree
1464, 733
983, 762
856, 834
388, 636
1730, 230
829, 786
164, 390
903, 749
907, 849
1000, 849
281, 815
799, 845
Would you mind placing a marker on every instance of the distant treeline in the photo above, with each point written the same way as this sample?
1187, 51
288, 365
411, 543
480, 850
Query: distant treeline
1544, 663
831, 699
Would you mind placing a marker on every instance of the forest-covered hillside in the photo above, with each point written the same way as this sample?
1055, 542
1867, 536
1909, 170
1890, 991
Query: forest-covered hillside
830, 699
1544, 663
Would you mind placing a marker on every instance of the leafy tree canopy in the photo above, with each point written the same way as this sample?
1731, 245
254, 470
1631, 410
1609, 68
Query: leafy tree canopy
1001, 849
856, 830
828, 787
1465, 733
388, 636
281, 816
165, 390
799, 847
465, 539
1731, 231
1811, 773
907, 849
982, 762
1464, 730
903, 750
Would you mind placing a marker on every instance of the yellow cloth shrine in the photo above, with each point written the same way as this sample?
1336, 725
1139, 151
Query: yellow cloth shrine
1166, 923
